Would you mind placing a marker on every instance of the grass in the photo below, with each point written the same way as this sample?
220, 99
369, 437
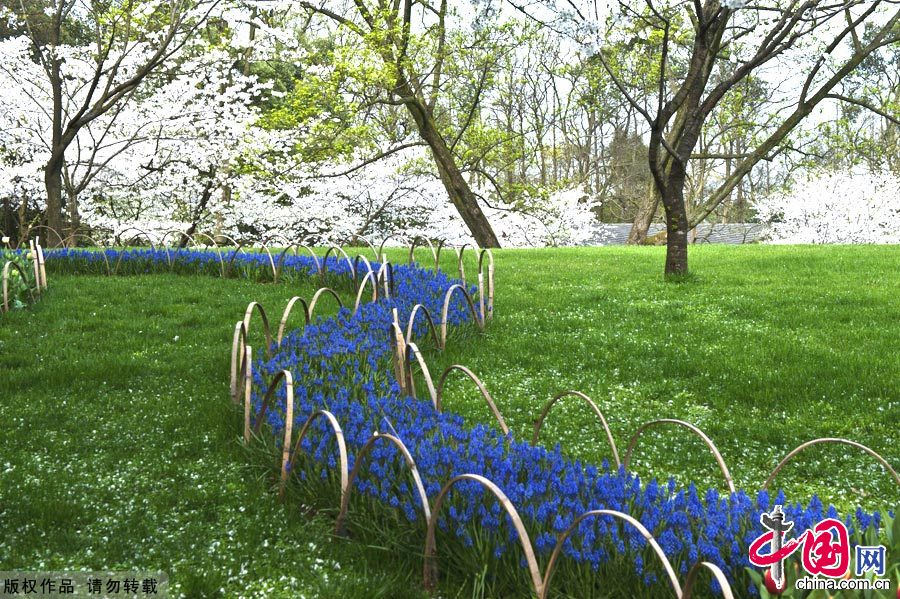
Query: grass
763, 347
120, 448
121, 452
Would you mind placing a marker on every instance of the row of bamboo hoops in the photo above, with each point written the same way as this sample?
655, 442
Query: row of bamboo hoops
407, 356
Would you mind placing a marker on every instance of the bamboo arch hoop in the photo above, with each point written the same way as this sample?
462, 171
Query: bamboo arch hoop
247, 375
366, 243
248, 315
281, 375
481, 388
184, 235
341, 443
271, 261
337, 251
75, 236
693, 574
279, 264
370, 277
540, 421
460, 267
478, 321
386, 277
712, 447
215, 246
340, 527
287, 314
412, 320
380, 254
61, 242
430, 567
802, 447
434, 253
557, 550
318, 294
238, 345
138, 234
413, 350
6, 268
356, 262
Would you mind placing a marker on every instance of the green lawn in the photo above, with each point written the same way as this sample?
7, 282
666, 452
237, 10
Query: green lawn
120, 447
763, 348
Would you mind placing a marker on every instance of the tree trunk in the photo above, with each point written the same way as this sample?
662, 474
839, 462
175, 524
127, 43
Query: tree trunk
677, 228
53, 184
456, 185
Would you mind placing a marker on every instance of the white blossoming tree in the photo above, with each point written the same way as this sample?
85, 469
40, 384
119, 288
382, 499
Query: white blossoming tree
835, 208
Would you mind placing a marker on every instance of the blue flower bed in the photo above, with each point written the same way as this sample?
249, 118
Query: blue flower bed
343, 364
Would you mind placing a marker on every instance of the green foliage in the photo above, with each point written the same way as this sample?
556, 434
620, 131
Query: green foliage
19, 288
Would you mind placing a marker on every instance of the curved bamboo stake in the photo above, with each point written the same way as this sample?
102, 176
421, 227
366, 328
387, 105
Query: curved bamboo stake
337, 251
540, 421
557, 550
287, 313
229, 239
367, 243
430, 567
318, 294
215, 246
437, 257
61, 241
281, 375
688, 591
429, 382
282, 255
271, 262
165, 246
481, 388
248, 314
342, 449
370, 277
340, 527
96, 243
140, 233
868, 450
460, 268
719, 460
364, 261
386, 276
247, 376
490, 283
415, 242
398, 354
238, 344
190, 238
319, 265
428, 319
380, 254
479, 322
5, 277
